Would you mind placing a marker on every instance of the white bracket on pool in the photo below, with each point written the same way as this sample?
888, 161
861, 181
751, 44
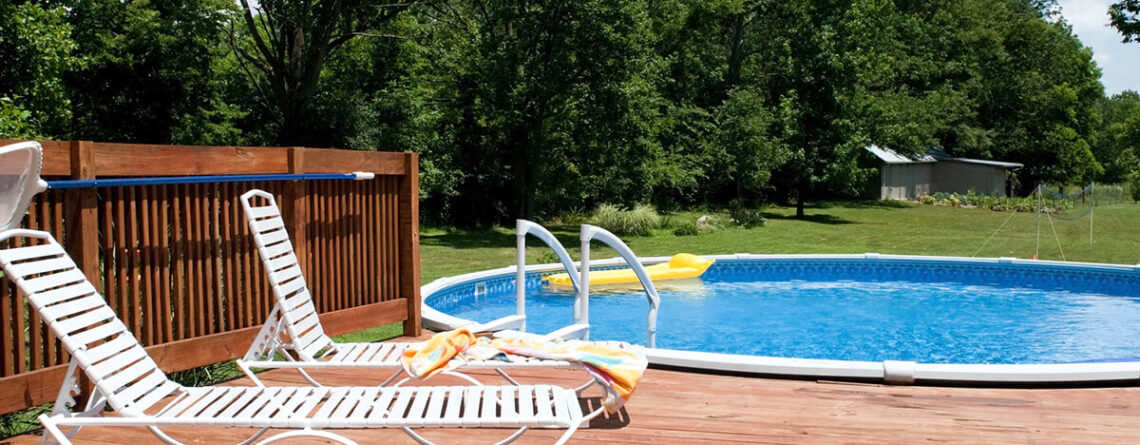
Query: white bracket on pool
589, 233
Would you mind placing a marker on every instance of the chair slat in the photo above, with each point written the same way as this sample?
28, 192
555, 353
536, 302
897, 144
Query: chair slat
335, 396
490, 400
163, 391
115, 346
526, 405
415, 415
50, 297
544, 413
240, 403
119, 361
289, 409
433, 416
367, 402
307, 407
142, 387
54, 264
267, 224
400, 406
454, 409
263, 397
471, 402
96, 333
192, 397
73, 324
36, 285
382, 407
262, 212
16, 254
71, 308
340, 415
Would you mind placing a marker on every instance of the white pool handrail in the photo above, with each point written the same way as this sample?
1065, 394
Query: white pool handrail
522, 228
590, 233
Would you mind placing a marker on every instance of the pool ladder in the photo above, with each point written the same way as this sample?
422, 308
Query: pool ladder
580, 329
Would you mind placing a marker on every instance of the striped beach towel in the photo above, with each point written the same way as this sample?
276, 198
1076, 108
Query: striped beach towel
617, 370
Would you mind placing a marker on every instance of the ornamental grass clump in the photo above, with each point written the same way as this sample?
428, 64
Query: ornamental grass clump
638, 222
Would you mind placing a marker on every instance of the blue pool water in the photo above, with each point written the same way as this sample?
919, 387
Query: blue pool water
870, 310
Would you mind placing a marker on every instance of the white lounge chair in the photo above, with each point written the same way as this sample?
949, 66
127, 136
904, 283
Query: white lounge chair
126, 379
292, 337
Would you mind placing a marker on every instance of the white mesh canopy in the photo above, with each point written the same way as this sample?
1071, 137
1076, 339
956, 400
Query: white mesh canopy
19, 181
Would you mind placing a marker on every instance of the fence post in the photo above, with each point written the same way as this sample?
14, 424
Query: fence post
297, 215
81, 220
409, 222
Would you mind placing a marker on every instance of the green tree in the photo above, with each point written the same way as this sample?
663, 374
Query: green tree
554, 106
284, 45
1040, 96
35, 47
149, 72
814, 81
1118, 148
1125, 17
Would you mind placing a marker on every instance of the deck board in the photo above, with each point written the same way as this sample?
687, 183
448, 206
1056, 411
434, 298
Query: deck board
672, 407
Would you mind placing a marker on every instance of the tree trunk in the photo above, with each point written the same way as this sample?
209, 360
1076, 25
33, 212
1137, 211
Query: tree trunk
799, 202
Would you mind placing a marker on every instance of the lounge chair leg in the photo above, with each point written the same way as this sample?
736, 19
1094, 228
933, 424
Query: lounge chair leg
393, 377
254, 437
52, 434
423, 441
457, 375
249, 373
566, 435
309, 378
307, 432
161, 435
506, 376
579, 389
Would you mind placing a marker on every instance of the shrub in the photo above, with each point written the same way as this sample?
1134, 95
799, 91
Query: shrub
549, 258
748, 217
1135, 183
688, 228
639, 222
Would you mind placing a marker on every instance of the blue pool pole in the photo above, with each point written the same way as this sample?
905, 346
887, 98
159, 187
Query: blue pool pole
212, 179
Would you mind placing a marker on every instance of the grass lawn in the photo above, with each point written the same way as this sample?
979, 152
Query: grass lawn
839, 227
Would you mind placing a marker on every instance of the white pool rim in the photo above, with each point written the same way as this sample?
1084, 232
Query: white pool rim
888, 371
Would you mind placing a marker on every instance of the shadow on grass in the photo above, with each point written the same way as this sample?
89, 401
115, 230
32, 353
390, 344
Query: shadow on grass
487, 238
818, 218
861, 204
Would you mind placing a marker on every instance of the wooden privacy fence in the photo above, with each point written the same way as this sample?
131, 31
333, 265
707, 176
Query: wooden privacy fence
177, 262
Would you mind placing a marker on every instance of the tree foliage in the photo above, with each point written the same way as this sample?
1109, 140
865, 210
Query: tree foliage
35, 47
536, 107
1125, 17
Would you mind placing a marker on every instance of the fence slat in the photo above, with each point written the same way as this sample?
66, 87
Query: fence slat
178, 265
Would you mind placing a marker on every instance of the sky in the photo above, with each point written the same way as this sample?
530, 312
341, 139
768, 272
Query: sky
1119, 62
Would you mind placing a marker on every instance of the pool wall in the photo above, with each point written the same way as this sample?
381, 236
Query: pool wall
889, 371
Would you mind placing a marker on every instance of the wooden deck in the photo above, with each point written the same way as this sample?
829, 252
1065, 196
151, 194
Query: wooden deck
672, 407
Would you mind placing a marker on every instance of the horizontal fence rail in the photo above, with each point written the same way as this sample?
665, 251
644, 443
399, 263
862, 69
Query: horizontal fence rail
177, 263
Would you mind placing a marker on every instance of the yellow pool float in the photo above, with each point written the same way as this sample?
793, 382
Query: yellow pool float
682, 265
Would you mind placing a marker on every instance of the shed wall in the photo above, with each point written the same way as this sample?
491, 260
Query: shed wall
905, 181
960, 177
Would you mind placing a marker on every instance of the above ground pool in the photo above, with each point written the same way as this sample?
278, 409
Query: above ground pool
888, 311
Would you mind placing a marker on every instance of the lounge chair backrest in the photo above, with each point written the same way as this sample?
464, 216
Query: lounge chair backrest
78, 315
19, 181
289, 288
